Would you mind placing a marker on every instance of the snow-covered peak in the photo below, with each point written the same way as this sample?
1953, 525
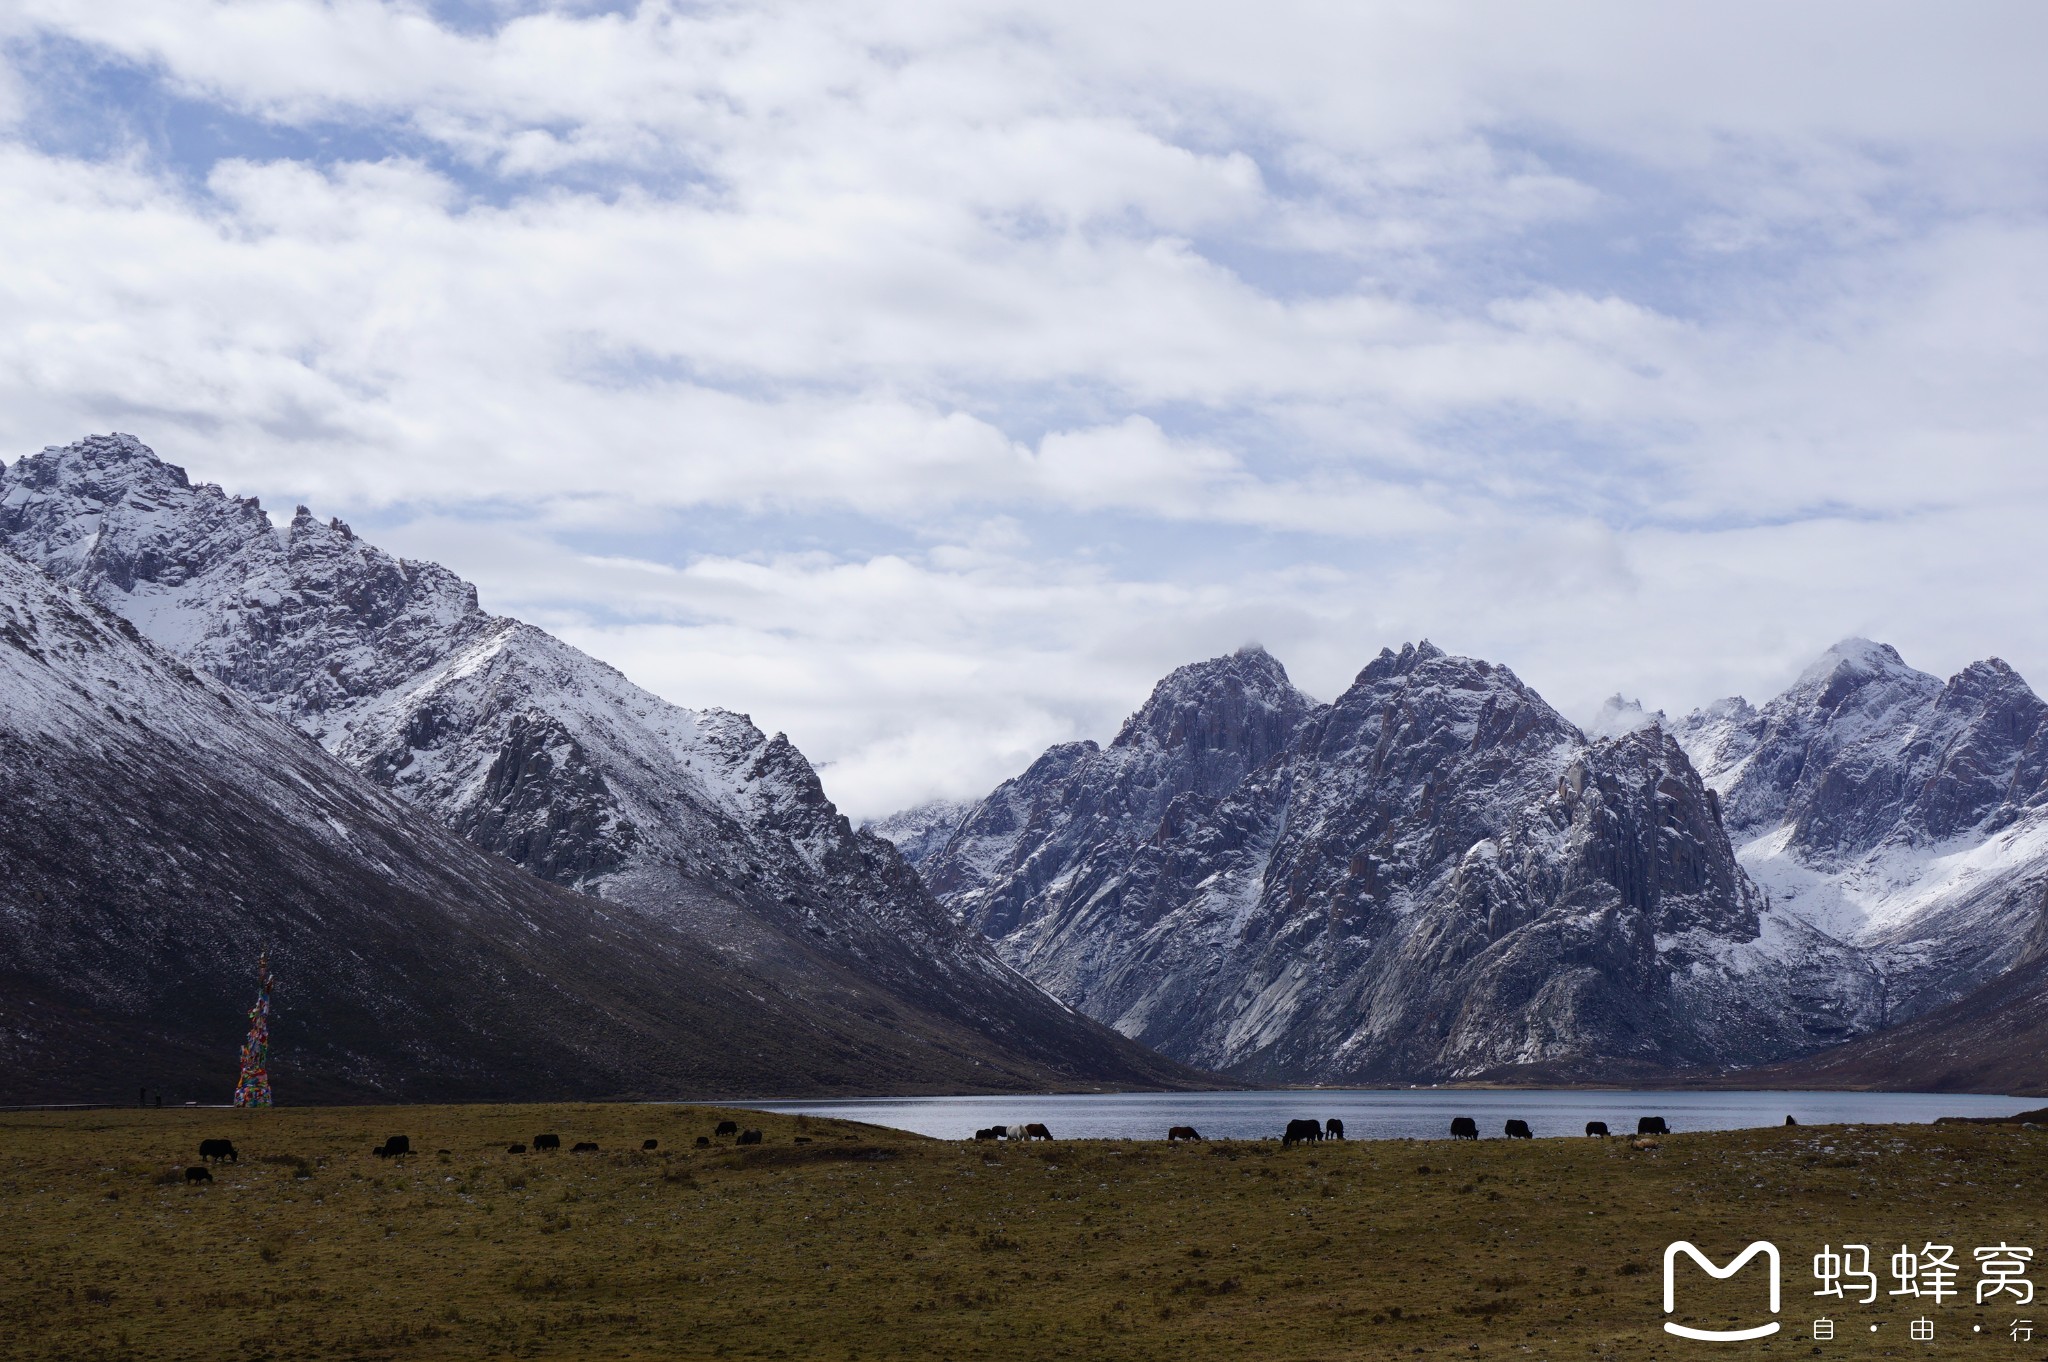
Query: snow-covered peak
1390, 663
526, 745
1858, 658
922, 831
1447, 700
1858, 685
1719, 737
1437, 874
1619, 717
1214, 702
695, 819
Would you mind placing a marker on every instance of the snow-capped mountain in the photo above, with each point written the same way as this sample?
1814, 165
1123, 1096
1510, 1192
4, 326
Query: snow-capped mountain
1618, 717
1894, 811
1434, 876
923, 829
1205, 728
158, 831
531, 749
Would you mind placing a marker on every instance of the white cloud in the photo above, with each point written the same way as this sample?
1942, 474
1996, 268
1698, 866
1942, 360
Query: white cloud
1042, 349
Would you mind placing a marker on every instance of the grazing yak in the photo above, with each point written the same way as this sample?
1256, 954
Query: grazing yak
584, 1147
1596, 1127
393, 1147
1301, 1130
650, 1144
214, 1150
1652, 1125
727, 1128
1182, 1133
197, 1175
703, 1142
1518, 1130
1464, 1128
515, 1149
541, 1142
1035, 1131
749, 1137
986, 1133
1333, 1129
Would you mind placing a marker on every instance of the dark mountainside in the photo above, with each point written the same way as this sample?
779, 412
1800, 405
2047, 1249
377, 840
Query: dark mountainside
1435, 877
713, 847
159, 831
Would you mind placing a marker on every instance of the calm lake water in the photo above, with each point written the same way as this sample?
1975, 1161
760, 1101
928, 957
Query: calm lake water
1389, 1115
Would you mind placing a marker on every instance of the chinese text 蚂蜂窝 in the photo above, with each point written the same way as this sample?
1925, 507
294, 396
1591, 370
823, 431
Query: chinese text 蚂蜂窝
1928, 1272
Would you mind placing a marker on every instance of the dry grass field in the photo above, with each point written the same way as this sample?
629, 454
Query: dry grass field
866, 1244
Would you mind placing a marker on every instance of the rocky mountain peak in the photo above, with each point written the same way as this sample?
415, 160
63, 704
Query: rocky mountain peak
113, 459
1853, 674
1242, 701
922, 831
1619, 717
1436, 875
694, 819
1855, 656
1993, 690
1894, 811
1422, 707
1390, 663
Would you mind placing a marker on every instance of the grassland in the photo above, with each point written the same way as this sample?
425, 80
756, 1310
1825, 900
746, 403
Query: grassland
867, 1244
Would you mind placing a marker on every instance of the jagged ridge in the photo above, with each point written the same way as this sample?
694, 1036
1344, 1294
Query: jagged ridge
1434, 876
531, 749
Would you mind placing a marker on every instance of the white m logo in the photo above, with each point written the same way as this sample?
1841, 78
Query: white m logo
1671, 1252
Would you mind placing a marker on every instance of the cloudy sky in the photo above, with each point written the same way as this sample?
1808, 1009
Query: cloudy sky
926, 379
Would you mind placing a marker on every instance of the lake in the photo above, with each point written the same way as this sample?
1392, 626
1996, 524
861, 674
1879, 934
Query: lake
1391, 1114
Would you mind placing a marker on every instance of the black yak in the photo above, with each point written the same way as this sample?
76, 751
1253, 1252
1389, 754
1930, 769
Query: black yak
1301, 1130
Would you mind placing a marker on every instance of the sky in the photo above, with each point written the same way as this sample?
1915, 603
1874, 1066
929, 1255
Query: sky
926, 380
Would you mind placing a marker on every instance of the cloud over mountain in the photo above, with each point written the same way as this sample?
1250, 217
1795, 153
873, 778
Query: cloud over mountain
1019, 341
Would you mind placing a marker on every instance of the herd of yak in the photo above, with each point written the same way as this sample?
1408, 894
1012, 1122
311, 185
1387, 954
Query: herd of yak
1298, 1131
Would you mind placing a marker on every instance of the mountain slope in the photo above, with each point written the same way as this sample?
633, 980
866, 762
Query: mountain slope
1893, 810
923, 830
1204, 729
1993, 1039
695, 820
157, 832
1435, 876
